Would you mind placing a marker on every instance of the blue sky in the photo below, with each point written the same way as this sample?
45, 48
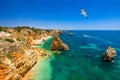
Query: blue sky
61, 14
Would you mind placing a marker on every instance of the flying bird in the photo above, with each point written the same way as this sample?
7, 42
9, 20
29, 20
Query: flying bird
83, 13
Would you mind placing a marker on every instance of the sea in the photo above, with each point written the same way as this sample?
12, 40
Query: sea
83, 61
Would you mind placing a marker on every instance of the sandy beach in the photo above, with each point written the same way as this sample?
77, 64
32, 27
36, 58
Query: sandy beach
30, 74
39, 41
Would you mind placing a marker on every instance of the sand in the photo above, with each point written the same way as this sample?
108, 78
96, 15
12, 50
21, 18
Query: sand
30, 74
38, 41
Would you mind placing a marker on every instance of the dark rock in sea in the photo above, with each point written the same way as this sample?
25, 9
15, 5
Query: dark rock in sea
64, 31
109, 54
57, 44
70, 34
60, 32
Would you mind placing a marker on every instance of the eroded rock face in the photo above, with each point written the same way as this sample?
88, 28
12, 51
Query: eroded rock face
57, 44
109, 54
20, 55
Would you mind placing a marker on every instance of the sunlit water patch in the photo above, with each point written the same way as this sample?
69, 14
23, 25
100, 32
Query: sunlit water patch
91, 46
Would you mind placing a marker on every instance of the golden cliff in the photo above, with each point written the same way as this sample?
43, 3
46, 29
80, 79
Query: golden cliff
18, 54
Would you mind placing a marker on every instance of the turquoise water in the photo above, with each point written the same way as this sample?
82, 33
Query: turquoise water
43, 69
84, 59
46, 44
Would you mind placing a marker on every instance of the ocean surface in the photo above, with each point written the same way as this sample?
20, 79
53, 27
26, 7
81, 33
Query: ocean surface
84, 59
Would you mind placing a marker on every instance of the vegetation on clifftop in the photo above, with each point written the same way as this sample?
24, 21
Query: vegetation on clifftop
9, 40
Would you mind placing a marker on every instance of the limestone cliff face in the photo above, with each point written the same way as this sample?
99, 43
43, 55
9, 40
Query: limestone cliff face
109, 54
57, 44
18, 54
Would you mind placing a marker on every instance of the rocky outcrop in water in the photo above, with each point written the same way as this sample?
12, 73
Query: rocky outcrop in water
57, 44
70, 34
109, 54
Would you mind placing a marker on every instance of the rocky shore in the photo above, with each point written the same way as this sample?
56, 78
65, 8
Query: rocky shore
18, 51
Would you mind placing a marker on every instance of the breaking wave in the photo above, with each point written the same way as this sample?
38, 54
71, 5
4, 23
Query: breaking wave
97, 38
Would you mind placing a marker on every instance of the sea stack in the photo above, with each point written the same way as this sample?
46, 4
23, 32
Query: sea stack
109, 54
57, 44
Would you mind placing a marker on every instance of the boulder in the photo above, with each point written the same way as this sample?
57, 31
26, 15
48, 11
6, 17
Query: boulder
109, 54
57, 44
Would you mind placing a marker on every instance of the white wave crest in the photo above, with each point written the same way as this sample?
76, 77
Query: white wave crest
97, 38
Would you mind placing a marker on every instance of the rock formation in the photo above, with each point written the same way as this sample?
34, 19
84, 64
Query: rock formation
18, 54
109, 54
57, 44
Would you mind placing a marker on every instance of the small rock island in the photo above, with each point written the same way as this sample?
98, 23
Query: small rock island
109, 54
57, 44
70, 34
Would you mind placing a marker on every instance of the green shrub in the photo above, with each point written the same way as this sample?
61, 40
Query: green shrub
1, 28
35, 30
9, 40
9, 56
47, 31
18, 39
19, 28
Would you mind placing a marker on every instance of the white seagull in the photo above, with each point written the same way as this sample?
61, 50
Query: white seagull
84, 13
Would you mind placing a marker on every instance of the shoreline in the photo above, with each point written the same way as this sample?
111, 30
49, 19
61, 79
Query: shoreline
30, 74
39, 41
